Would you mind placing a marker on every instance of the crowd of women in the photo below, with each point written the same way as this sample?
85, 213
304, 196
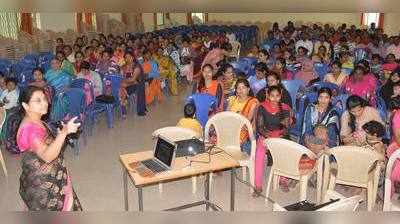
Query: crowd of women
362, 64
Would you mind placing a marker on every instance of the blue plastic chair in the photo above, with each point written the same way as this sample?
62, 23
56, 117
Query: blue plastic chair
360, 54
381, 107
339, 102
94, 107
204, 103
241, 67
30, 59
321, 70
318, 85
293, 87
304, 101
60, 83
24, 78
114, 82
347, 71
45, 57
68, 104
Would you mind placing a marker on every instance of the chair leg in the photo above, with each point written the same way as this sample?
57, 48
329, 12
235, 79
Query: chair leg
268, 187
251, 177
194, 185
276, 182
244, 173
210, 180
303, 187
370, 202
3, 164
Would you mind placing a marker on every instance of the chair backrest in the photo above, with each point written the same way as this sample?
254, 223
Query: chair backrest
68, 103
354, 163
174, 133
24, 78
388, 182
293, 87
318, 85
339, 102
321, 69
381, 107
344, 204
87, 87
60, 83
204, 103
228, 126
112, 82
360, 54
286, 154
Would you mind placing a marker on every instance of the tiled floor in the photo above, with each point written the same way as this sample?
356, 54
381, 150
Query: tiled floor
97, 176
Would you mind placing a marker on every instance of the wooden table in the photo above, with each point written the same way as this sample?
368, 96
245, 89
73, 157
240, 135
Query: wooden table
201, 164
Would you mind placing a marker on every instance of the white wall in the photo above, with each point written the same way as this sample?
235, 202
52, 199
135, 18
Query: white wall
392, 23
57, 21
148, 21
283, 18
116, 16
179, 18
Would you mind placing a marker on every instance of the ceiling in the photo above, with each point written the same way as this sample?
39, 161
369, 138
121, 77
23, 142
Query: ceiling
345, 6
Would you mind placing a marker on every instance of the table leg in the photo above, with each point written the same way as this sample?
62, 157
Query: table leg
207, 191
233, 185
125, 183
140, 197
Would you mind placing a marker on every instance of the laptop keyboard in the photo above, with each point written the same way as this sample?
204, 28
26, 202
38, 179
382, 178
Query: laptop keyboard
153, 166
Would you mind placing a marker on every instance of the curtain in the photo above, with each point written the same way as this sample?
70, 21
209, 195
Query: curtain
79, 22
26, 23
9, 25
189, 18
88, 18
381, 20
124, 18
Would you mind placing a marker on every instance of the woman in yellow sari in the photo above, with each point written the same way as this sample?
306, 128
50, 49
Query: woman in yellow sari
167, 70
245, 104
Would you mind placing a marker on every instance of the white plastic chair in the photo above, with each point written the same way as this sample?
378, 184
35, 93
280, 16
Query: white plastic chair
228, 126
174, 134
344, 204
388, 204
3, 119
356, 166
286, 156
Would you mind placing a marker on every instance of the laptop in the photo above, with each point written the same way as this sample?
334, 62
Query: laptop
164, 154
189, 147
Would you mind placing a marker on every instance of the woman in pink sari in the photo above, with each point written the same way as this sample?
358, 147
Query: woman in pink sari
45, 184
360, 84
214, 56
395, 143
306, 74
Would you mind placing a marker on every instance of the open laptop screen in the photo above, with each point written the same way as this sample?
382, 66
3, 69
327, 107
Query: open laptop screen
164, 151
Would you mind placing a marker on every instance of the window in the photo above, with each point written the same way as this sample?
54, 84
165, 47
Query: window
198, 18
160, 19
368, 18
9, 25
38, 23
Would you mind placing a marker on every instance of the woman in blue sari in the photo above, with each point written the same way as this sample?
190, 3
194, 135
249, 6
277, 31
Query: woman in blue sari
323, 113
57, 77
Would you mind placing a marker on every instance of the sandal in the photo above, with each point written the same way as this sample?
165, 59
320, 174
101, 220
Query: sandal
257, 193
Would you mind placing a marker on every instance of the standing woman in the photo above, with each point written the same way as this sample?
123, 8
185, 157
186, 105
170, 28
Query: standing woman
207, 84
244, 103
44, 183
273, 120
